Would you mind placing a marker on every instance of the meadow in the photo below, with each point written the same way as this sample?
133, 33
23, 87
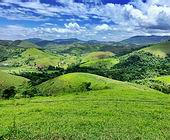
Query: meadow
104, 114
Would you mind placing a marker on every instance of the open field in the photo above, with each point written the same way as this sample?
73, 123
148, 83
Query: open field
104, 114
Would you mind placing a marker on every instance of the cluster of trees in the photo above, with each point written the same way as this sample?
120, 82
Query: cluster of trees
42, 76
155, 84
141, 65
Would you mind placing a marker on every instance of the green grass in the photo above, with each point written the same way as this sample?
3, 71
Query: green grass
34, 56
27, 44
165, 79
105, 63
96, 115
74, 82
161, 50
96, 55
7, 80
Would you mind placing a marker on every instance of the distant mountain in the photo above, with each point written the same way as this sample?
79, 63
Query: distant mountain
44, 43
145, 40
34, 40
5, 42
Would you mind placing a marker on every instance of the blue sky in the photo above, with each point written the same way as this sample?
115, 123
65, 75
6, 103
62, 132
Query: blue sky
108, 20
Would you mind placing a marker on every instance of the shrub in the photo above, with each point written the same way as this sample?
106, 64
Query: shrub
85, 86
9, 92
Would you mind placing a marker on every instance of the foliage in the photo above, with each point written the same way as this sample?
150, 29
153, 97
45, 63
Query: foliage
140, 65
9, 92
155, 84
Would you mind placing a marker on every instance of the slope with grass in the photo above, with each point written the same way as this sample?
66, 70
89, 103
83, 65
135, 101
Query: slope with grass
96, 56
161, 50
105, 63
8, 80
77, 82
118, 113
165, 79
34, 56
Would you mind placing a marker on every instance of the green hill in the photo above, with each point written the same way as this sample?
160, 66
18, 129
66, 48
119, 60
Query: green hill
76, 82
8, 80
34, 57
105, 63
96, 56
161, 50
23, 44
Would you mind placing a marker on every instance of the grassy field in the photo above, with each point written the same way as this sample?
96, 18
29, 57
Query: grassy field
162, 49
165, 79
104, 114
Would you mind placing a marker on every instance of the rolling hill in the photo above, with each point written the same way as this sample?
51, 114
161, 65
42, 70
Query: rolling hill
32, 57
161, 50
8, 80
96, 56
23, 44
146, 40
78, 82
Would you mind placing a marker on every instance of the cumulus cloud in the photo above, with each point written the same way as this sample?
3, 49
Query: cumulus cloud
136, 17
103, 27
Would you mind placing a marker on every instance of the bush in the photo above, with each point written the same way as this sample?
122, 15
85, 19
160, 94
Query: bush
9, 92
85, 86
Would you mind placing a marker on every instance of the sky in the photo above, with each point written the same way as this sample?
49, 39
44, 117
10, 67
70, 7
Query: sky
104, 20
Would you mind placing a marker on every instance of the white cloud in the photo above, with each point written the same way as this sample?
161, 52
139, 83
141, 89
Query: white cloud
103, 27
137, 17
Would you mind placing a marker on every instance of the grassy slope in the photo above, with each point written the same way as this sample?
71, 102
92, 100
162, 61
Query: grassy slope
39, 57
7, 80
162, 49
106, 62
108, 114
27, 44
73, 82
165, 79
96, 56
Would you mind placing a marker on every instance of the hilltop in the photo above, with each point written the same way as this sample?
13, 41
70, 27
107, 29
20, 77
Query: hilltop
78, 82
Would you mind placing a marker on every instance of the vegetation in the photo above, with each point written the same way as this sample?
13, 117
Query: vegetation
84, 102
140, 65
118, 113
161, 50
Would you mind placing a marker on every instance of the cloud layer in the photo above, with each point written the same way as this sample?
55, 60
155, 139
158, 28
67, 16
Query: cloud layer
66, 18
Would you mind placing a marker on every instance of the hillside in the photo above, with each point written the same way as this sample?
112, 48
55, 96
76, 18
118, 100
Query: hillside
33, 57
77, 82
161, 50
146, 40
96, 56
23, 44
8, 80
